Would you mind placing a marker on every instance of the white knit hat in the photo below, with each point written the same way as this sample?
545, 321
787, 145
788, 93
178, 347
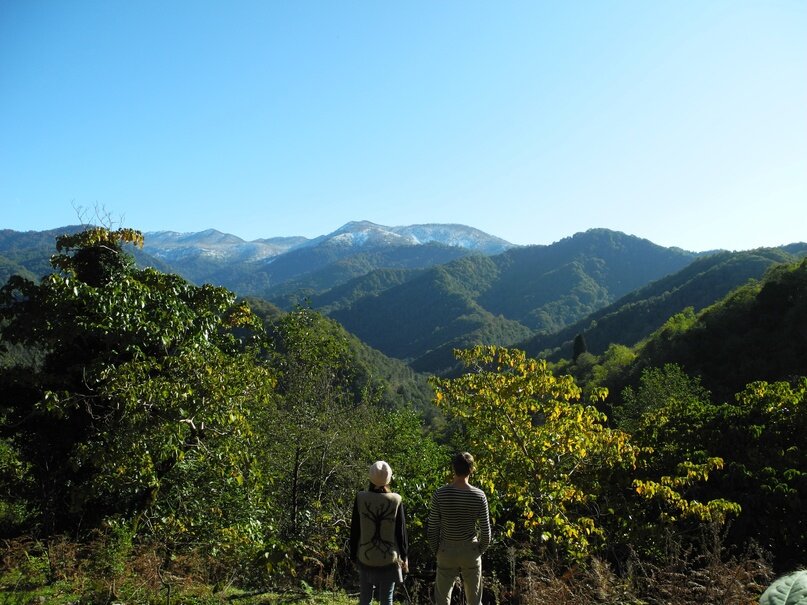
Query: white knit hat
380, 473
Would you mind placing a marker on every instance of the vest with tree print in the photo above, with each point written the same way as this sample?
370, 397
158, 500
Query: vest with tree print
378, 511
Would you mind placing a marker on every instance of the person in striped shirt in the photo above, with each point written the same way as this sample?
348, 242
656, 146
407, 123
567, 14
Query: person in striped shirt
459, 533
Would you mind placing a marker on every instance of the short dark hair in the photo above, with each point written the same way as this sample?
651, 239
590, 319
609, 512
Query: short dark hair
463, 464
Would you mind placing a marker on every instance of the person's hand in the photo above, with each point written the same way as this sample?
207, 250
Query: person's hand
405, 566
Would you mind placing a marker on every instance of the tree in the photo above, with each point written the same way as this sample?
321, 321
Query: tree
419, 464
135, 382
542, 453
763, 437
579, 347
319, 445
552, 463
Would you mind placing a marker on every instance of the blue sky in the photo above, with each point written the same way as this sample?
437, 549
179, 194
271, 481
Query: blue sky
681, 122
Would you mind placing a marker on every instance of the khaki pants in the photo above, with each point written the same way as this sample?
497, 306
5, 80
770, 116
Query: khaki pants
455, 559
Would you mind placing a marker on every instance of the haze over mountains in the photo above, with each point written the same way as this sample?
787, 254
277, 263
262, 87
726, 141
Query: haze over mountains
417, 292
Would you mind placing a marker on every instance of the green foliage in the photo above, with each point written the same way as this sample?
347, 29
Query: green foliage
542, 453
30, 250
613, 363
763, 438
141, 380
173, 418
156, 410
758, 443
580, 346
554, 464
9, 268
317, 448
790, 589
758, 332
669, 415
636, 315
646, 410
419, 467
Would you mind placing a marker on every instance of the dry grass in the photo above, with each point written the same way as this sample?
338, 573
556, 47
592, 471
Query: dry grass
99, 572
704, 573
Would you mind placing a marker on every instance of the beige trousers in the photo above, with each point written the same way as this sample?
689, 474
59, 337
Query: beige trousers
458, 559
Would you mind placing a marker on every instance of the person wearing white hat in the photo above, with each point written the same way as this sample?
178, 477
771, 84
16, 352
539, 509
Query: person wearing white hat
378, 540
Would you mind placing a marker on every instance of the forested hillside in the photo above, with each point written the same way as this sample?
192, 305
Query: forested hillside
436, 309
443, 296
636, 315
31, 250
757, 332
159, 411
505, 298
395, 384
347, 293
309, 271
9, 267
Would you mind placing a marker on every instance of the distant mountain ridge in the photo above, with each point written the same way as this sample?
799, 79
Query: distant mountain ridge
355, 234
172, 246
274, 266
28, 252
420, 291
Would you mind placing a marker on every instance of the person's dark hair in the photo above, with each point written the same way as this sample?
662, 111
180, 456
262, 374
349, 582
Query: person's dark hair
381, 489
463, 464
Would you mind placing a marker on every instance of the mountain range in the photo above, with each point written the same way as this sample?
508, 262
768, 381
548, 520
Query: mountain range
418, 292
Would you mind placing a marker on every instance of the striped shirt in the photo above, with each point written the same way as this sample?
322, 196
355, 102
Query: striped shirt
459, 514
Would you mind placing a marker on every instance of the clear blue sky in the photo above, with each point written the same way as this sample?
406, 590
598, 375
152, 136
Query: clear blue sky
682, 122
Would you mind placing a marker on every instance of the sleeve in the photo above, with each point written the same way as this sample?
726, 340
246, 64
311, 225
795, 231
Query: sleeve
355, 530
433, 533
400, 533
484, 526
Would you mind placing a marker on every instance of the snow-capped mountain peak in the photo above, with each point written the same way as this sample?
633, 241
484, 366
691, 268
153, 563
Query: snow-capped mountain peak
369, 234
215, 245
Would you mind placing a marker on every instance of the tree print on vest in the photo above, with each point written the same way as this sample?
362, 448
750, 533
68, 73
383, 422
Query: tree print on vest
383, 512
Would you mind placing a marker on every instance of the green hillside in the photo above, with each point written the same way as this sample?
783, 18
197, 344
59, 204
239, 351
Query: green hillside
395, 384
547, 287
505, 298
726, 384
636, 315
344, 295
312, 270
31, 250
757, 332
9, 267
28, 253
424, 313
